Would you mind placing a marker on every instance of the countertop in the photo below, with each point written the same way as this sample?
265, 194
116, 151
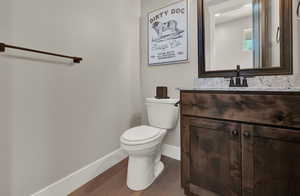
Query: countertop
248, 89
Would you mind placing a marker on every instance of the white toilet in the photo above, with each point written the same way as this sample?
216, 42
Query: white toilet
143, 143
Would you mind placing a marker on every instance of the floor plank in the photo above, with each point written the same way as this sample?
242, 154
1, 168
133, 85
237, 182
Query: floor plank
113, 182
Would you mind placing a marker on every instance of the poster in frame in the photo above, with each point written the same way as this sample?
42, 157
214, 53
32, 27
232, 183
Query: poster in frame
168, 34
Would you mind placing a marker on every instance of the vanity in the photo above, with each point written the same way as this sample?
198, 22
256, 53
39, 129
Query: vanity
240, 143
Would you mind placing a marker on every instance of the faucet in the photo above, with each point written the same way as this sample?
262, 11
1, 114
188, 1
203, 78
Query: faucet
237, 82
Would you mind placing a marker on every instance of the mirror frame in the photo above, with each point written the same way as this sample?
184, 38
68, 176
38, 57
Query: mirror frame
286, 45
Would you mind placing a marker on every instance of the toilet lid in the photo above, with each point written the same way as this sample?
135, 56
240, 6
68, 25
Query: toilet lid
141, 133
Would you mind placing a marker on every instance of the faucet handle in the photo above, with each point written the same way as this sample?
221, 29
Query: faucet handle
231, 83
245, 82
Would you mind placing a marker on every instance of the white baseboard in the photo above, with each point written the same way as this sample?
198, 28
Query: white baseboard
171, 151
75, 180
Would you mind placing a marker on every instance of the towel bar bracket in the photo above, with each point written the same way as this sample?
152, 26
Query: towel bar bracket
2, 47
298, 10
77, 60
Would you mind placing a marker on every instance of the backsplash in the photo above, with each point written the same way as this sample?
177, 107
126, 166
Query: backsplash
287, 82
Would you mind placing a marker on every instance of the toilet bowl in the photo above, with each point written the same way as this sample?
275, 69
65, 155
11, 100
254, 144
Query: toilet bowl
143, 143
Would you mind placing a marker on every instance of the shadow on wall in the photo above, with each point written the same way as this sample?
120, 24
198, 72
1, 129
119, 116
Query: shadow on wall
136, 120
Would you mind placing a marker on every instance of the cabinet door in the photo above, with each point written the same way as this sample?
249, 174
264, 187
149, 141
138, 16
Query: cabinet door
271, 161
215, 158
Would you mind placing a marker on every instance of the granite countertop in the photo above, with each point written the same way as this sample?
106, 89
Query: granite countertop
243, 89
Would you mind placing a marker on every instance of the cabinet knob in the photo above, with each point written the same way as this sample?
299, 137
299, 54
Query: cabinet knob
247, 134
234, 133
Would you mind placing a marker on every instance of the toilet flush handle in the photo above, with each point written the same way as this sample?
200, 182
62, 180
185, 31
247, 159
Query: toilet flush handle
177, 104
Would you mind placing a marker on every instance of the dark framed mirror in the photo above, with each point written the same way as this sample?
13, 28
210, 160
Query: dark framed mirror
255, 34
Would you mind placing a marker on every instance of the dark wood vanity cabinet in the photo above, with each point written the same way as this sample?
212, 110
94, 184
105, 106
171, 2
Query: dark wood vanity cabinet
240, 144
215, 156
270, 161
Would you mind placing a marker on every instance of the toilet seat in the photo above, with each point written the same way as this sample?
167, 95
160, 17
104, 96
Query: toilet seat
140, 135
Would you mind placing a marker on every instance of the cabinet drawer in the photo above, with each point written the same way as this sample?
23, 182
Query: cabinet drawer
272, 109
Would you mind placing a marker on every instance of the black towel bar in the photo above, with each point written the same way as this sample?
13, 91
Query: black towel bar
3, 46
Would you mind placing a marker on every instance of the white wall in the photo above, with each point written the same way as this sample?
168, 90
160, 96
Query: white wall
296, 41
65, 117
231, 34
173, 76
5, 104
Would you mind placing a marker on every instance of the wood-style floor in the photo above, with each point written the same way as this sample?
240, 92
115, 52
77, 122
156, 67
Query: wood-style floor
113, 182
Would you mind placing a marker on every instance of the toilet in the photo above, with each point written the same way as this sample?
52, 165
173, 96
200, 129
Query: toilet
143, 143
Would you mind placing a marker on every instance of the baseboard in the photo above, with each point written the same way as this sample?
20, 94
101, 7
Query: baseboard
75, 180
171, 151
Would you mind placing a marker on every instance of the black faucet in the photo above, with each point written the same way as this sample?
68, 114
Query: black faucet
237, 82
238, 76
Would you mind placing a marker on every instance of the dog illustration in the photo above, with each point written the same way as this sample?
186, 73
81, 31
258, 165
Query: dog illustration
166, 30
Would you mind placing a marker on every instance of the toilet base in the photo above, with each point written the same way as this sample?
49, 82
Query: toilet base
141, 179
158, 169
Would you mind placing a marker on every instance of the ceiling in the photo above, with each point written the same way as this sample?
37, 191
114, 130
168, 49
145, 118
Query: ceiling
228, 10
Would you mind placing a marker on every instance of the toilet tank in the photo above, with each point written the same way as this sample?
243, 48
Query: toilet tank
162, 113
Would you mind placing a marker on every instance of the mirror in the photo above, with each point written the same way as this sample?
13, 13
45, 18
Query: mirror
255, 34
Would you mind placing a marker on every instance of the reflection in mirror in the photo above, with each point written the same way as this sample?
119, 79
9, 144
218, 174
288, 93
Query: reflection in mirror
233, 34
272, 34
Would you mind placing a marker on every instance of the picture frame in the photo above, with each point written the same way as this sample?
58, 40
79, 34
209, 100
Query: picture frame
168, 34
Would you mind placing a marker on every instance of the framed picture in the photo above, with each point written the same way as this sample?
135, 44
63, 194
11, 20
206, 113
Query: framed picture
168, 34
